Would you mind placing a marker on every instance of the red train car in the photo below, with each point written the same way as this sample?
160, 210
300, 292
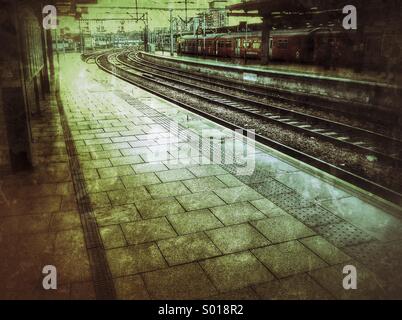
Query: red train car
317, 46
236, 45
291, 45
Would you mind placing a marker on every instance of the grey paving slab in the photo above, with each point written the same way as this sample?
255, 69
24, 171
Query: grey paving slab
141, 179
65, 220
147, 230
200, 200
239, 294
156, 157
101, 199
325, 250
121, 161
134, 259
230, 180
116, 215
175, 175
288, 258
115, 172
159, 207
112, 237
149, 167
204, 184
95, 164
133, 151
24, 224
238, 194
282, 228
299, 287
116, 146
122, 197
268, 208
182, 163
98, 155
207, 170
237, 213
194, 221
102, 185
131, 288
237, 238
188, 248
169, 189
183, 282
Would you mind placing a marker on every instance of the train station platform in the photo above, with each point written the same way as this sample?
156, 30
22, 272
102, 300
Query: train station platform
128, 200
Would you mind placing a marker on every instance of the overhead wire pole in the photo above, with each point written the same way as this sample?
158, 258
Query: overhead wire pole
186, 12
81, 37
171, 33
144, 16
204, 31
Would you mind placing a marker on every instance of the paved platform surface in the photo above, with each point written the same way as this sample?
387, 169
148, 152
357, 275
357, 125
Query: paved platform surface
172, 225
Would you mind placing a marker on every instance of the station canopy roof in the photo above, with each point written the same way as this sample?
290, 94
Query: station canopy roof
267, 7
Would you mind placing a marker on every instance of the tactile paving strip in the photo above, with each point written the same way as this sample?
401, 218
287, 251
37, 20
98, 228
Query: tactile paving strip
258, 176
289, 201
315, 216
367, 253
270, 188
380, 255
343, 234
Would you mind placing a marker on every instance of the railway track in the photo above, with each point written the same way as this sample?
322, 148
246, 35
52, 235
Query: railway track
382, 147
121, 66
366, 113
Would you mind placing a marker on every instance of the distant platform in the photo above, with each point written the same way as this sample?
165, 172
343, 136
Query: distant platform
364, 92
294, 69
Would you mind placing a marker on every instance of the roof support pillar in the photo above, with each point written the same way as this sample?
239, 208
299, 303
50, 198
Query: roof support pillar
266, 31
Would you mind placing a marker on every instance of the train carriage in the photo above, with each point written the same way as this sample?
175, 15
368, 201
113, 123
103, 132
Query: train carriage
291, 45
317, 46
235, 45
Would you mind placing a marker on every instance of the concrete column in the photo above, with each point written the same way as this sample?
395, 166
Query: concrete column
45, 72
266, 31
13, 103
37, 94
18, 134
49, 51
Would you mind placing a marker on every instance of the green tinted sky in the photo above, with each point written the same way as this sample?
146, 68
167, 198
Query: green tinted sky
157, 17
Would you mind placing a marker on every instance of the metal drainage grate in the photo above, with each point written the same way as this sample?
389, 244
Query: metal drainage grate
343, 234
